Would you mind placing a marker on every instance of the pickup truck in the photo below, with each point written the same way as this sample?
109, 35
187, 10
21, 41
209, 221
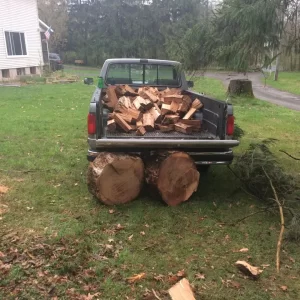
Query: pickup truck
213, 145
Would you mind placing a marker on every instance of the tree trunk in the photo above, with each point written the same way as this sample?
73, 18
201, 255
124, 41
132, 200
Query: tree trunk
238, 87
115, 178
174, 175
277, 68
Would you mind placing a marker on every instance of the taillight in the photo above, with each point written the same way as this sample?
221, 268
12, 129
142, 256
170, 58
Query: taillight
230, 125
91, 124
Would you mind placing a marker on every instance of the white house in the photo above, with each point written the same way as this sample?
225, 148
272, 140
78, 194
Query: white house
21, 50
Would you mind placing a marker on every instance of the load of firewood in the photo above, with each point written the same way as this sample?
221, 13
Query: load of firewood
147, 109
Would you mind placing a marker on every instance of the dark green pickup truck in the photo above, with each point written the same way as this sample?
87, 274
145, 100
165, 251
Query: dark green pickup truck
213, 145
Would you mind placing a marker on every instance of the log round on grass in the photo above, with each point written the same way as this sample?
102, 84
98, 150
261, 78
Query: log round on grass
174, 175
238, 87
115, 178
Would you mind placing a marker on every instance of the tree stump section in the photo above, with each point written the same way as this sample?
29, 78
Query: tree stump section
174, 175
238, 87
115, 178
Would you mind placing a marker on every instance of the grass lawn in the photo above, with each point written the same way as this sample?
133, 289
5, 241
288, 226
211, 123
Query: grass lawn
287, 81
56, 240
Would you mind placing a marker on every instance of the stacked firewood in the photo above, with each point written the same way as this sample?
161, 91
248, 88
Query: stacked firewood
148, 109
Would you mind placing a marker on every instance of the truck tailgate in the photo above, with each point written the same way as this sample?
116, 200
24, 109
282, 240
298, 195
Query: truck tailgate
203, 135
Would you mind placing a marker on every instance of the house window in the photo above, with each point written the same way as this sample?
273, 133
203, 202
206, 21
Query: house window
15, 43
32, 70
5, 73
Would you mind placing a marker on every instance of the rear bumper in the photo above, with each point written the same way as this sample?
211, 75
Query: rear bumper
203, 152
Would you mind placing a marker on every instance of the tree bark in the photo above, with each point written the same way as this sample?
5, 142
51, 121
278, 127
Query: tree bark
115, 178
174, 175
238, 87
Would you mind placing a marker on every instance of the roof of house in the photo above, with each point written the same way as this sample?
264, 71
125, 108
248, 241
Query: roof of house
45, 26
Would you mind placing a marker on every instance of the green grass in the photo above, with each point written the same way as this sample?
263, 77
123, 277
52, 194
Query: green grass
56, 237
287, 81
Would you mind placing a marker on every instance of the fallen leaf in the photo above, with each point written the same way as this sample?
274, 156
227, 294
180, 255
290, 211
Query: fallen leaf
181, 273
284, 288
173, 279
29, 208
3, 209
292, 259
244, 250
159, 277
3, 189
135, 278
200, 276
120, 227
130, 238
90, 296
142, 233
146, 225
235, 284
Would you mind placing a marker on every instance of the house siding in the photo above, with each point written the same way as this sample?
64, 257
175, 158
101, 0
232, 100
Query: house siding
20, 16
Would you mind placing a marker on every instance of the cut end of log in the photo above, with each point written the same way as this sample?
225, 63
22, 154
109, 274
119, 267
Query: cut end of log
115, 178
176, 177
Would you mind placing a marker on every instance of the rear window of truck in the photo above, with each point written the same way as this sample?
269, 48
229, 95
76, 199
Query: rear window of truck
143, 74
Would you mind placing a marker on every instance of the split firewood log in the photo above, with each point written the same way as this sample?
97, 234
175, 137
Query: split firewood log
156, 115
170, 119
157, 108
142, 104
196, 105
112, 98
141, 131
148, 122
174, 107
165, 128
125, 90
165, 109
126, 102
122, 123
183, 128
111, 126
248, 270
115, 178
196, 124
182, 291
172, 91
186, 104
174, 175
173, 98
148, 95
127, 118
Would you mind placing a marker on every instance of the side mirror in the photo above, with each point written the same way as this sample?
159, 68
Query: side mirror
190, 84
88, 81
